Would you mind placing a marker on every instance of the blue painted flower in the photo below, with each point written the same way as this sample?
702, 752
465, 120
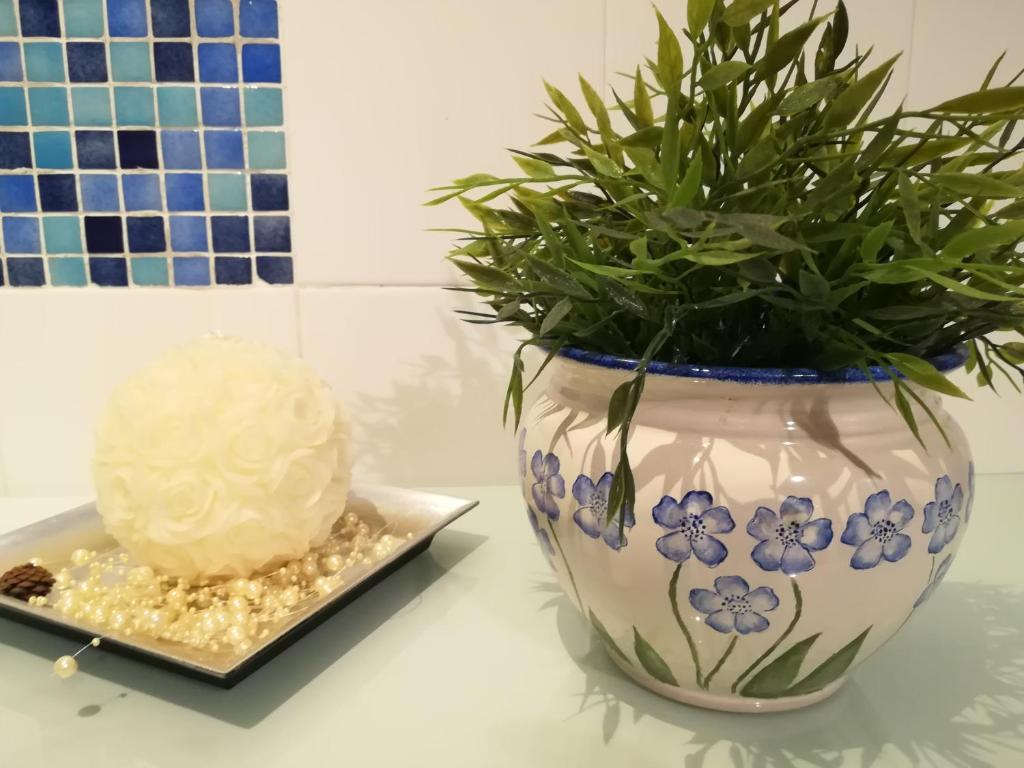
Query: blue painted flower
592, 514
940, 574
733, 606
970, 493
942, 516
787, 539
548, 486
875, 532
692, 521
542, 536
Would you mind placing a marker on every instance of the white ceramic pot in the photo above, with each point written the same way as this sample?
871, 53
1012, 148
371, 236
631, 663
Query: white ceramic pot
786, 525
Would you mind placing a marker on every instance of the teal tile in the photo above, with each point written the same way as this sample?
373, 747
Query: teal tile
83, 18
227, 192
48, 106
148, 270
12, 107
130, 63
177, 106
263, 107
8, 24
53, 149
62, 234
44, 62
91, 106
266, 150
67, 270
134, 105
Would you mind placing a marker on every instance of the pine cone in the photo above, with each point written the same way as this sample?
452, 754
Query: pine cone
25, 581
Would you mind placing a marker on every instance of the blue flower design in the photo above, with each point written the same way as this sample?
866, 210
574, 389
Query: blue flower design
942, 516
875, 532
940, 574
787, 539
970, 492
733, 606
542, 536
548, 485
592, 514
692, 521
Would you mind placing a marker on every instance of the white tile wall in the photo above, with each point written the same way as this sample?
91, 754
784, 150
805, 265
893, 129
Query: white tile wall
414, 92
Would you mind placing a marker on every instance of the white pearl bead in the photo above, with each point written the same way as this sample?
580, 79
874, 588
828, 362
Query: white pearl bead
81, 557
65, 667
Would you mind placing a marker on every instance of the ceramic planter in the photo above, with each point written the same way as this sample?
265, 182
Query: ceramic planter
786, 524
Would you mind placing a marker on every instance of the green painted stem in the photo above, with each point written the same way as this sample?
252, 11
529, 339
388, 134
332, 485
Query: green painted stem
782, 638
672, 587
721, 661
568, 570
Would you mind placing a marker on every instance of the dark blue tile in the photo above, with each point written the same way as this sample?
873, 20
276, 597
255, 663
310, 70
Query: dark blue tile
110, 273
39, 18
10, 63
173, 62
21, 234
95, 149
273, 234
214, 18
188, 233
230, 234
146, 234
137, 149
261, 63
87, 62
218, 63
17, 194
127, 18
15, 150
184, 191
224, 149
57, 192
269, 192
170, 18
26, 272
258, 18
2, 274
276, 270
191, 270
221, 107
103, 234
181, 149
232, 270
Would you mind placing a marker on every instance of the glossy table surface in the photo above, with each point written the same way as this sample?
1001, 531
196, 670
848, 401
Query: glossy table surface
471, 656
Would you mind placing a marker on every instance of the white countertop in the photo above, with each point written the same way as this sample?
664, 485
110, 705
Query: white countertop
471, 656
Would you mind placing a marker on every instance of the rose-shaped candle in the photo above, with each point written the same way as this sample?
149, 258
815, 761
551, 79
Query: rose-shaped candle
223, 458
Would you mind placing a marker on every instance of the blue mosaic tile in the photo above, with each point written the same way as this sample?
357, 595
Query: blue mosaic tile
258, 18
83, 18
269, 192
23, 272
62, 234
95, 149
184, 192
276, 270
218, 63
134, 105
177, 106
215, 18
230, 234
173, 62
188, 234
181, 150
10, 62
68, 271
224, 149
48, 106
91, 106
57, 192
221, 107
137, 149
103, 234
8, 27
142, 192
15, 150
17, 194
12, 107
53, 149
131, 62
261, 63
105, 271
127, 18
87, 62
148, 270
21, 234
44, 62
273, 234
232, 270
39, 18
99, 192
191, 270
170, 18
146, 234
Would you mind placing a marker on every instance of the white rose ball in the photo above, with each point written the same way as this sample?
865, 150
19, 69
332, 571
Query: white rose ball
223, 458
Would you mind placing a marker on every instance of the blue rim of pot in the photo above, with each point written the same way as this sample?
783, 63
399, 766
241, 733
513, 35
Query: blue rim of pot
946, 362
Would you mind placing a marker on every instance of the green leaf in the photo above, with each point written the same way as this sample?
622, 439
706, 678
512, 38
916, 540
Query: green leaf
830, 670
670, 56
646, 137
723, 74
769, 238
760, 156
642, 100
607, 638
922, 372
974, 241
985, 102
603, 164
535, 169
488, 277
558, 280
840, 28
911, 207
753, 125
555, 316
904, 409
690, 185
806, 96
873, 242
652, 663
975, 185
1013, 351
775, 679
814, 287
740, 12
566, 107
698, 14
850, 102
618, 405
785, 51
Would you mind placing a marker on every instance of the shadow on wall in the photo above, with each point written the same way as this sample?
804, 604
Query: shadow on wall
947, 690
440, 422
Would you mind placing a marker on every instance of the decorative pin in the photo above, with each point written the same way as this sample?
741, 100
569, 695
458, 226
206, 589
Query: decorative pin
66, 666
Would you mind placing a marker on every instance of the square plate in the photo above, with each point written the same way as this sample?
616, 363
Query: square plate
403, 512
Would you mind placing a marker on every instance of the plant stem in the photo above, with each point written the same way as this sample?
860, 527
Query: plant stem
568, 570
672, 586
721, 661
782, 638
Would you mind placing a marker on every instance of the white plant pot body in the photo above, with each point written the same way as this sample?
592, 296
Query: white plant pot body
781, 534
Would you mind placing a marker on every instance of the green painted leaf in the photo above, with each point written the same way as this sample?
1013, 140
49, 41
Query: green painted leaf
555, 316
607, 638
740, 12
830, 670
976, 185
723, 74
775, 679
976, 240
985, 102
698, 14
924, 373
652, 663
873, 242
849, 103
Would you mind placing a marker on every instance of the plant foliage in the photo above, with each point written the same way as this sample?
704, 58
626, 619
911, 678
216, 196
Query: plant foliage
743, 204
